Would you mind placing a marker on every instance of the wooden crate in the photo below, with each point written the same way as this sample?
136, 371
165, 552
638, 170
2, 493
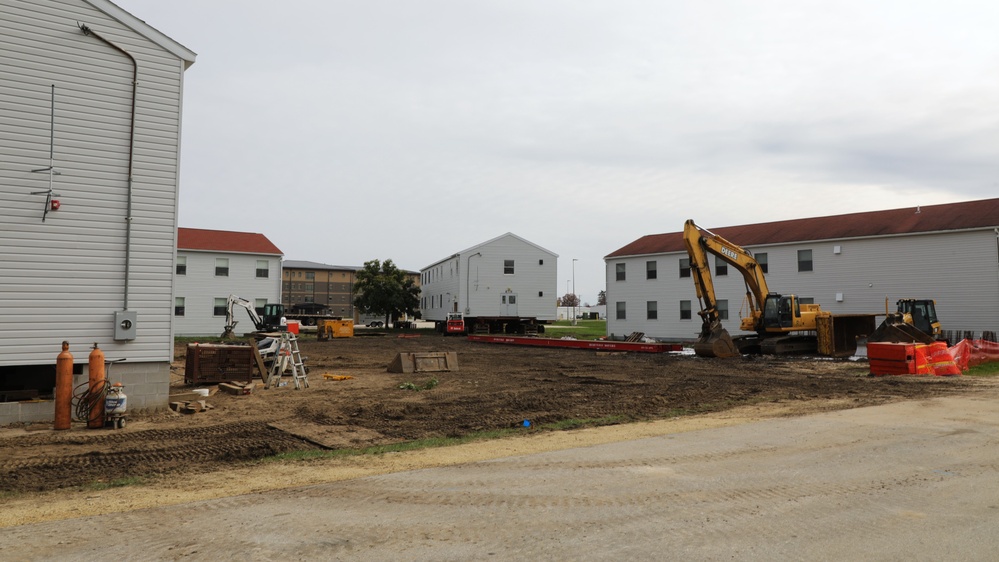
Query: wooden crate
212, 364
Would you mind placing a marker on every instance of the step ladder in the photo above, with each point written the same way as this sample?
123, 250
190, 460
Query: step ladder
288, 355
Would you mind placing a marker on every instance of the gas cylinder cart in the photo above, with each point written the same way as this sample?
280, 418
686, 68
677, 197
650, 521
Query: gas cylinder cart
102, 400
114, 400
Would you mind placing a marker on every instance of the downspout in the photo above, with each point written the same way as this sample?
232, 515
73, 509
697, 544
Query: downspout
468, 275
131, 152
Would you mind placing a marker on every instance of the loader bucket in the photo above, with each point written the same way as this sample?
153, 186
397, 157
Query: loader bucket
891, 331
715, 342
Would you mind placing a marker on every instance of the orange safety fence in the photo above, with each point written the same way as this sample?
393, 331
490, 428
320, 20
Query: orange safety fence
969, 353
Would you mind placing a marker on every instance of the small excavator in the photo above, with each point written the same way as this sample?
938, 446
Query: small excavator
775, 318
269, 322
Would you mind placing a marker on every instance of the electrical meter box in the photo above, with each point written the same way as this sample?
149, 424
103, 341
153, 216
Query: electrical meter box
124, 325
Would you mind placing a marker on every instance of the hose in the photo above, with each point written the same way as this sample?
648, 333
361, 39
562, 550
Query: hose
85, 399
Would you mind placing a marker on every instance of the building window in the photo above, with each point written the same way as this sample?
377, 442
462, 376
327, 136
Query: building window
650, 270
761, 259
721, 267
181, 267
263, 269
178, 306
310, 275
619, 272
309, 287
684, 310
219, 307
651, 310
722, 309
621, 314
804, 260
258, 306
222, 267
684, 267
541, 294
541, 262
507, 267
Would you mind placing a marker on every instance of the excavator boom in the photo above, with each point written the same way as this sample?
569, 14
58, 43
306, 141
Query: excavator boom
714, 340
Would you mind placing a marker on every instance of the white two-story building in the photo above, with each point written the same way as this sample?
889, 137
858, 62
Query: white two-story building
213, 264
507, 277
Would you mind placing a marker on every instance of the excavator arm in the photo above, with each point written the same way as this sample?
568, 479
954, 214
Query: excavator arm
714, 340
230, 322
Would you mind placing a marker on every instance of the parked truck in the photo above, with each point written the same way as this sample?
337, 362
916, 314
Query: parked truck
458, 324
310, 313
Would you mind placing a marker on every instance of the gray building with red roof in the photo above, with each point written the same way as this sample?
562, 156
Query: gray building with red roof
213, 264
846, 263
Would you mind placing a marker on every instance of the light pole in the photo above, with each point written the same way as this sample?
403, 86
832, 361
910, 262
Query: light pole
566, 304
576, 301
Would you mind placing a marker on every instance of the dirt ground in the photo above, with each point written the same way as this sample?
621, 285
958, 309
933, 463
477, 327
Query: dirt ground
495, 387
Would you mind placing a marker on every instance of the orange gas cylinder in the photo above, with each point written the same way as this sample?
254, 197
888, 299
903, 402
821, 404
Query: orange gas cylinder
64, 388
96, 418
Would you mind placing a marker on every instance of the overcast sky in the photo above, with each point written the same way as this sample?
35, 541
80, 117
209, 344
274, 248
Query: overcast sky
410, 130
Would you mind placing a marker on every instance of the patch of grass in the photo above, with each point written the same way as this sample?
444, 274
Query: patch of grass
429, 443
116, 483
984, 370
425, 386
583, 330
202, 339
565, 425
434, 442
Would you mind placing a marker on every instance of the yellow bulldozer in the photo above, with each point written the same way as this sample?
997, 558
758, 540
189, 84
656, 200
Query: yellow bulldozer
913, 321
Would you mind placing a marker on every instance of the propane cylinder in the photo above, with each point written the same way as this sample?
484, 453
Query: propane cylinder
64, 388
114, 403
96, 369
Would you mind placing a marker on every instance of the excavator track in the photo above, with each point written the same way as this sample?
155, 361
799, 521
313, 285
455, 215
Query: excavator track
789, 345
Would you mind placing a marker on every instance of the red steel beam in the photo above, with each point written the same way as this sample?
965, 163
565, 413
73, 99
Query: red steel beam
597, 345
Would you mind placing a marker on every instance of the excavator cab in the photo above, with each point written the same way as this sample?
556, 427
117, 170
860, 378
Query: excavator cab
779, 312
271, 318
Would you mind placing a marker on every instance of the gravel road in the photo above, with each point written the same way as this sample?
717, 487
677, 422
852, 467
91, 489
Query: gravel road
914, 480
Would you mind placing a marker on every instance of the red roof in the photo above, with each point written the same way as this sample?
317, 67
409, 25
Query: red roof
225, 241
931, 218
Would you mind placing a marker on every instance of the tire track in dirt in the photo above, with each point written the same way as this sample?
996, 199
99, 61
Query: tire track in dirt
141, 453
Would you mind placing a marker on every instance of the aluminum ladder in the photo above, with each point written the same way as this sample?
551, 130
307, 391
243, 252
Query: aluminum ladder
288, 355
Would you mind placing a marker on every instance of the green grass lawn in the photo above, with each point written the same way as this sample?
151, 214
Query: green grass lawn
583, 330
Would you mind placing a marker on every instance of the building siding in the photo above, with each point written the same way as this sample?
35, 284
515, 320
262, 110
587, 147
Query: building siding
64, 278
960, 270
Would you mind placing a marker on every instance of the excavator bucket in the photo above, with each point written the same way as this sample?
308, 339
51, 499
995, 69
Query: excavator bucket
715, 341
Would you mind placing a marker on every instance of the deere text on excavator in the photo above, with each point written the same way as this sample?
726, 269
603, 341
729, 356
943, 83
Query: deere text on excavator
782, 323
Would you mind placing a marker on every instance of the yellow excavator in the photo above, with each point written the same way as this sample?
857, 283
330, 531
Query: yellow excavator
777, 320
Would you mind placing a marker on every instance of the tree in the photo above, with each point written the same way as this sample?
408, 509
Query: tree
382, 288
570, 300
602, 298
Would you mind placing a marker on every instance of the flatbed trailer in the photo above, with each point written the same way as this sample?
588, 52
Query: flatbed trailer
596, 345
